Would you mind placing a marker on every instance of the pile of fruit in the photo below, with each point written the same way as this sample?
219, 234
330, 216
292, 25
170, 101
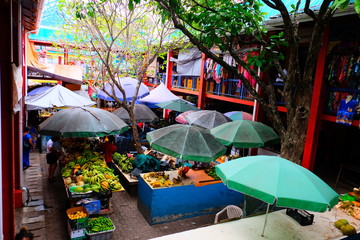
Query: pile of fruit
89, 171
350, 203
211, 172
77, 215
124, 161
99, 224
345, 227
75, 144
157, 180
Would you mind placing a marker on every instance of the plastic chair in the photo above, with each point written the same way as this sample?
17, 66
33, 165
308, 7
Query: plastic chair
232, 211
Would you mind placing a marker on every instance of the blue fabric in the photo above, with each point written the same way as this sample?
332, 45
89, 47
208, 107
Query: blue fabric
346, 112
26, 154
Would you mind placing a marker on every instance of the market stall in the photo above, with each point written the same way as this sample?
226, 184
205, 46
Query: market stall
183, 193
88, 180
171, 196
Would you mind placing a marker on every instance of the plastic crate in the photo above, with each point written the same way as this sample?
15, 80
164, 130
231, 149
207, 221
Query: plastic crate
80, 222
77, 234
92, 207
100, 235
301, 216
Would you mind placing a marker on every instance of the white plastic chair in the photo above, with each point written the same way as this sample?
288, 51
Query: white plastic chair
232, 211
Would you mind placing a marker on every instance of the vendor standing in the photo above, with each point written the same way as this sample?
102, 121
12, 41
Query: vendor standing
108, 148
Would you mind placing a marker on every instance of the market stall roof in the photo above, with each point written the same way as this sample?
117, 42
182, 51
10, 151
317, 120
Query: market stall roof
158, 95
37, 70
57, 96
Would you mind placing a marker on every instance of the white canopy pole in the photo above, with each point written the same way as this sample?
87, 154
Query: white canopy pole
267, 212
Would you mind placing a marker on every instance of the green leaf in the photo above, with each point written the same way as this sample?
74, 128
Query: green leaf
131, 6
258, 63
357, 6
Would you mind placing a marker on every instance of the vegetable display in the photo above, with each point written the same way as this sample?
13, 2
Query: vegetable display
350, 203
124, 161
99, 224
90, 173
211, 172
77, 215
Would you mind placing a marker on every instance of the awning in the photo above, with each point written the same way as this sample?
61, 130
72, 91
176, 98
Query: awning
37, 70
35, 73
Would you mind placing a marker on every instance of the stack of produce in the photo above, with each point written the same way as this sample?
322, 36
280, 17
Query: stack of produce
157, 180
77, 215
90, 170
345, 227
124, 161
75, 144
211, 172
99, 224
350, 203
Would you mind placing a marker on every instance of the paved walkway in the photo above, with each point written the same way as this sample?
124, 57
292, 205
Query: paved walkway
45, 215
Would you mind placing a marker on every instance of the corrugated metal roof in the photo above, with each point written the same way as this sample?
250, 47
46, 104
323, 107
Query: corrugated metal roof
272, 13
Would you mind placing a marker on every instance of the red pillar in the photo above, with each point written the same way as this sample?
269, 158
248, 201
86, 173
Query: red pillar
202, 90
9, 22
168, 77
312, 134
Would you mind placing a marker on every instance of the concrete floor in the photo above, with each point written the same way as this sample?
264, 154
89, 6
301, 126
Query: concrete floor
46, 216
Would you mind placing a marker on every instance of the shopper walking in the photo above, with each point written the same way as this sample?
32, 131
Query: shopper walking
53, 153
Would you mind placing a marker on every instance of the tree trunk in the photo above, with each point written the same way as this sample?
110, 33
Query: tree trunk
292, 144
135, 131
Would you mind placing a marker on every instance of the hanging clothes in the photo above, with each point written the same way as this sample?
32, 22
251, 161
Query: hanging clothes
346, 111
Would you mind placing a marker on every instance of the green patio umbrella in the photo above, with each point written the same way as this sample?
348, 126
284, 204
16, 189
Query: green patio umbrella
178, 105
142, 114
276, 180
245, 134
207, 118
186, 142
82, 122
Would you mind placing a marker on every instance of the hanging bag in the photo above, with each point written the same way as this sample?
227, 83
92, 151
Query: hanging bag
26, 145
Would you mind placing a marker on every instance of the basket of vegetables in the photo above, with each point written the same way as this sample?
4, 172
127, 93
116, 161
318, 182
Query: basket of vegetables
100, 228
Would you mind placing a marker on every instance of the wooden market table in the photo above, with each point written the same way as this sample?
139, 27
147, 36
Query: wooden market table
130, 184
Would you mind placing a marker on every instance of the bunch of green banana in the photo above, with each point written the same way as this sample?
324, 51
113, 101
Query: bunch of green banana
66, 172
81, 161
99, 224
124, 162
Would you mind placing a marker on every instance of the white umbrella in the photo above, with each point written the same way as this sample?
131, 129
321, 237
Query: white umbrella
57, 96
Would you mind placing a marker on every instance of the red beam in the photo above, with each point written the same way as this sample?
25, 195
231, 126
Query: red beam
312, 134
229, 99
169, 74
202, 90
41, 43
330, 118
186, 91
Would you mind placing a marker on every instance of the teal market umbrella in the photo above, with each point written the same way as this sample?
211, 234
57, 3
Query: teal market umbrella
142, 114
186, 142
178, 105
207, 118
245, 134
276, 180
82, 122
